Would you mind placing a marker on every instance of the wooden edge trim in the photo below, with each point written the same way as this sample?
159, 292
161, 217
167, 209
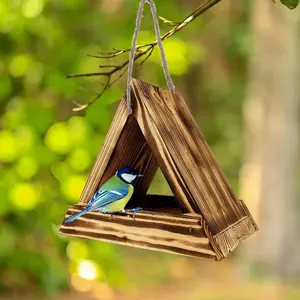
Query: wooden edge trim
229, 239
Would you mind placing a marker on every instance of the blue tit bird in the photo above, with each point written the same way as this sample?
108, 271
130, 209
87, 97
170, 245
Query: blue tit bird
113, 195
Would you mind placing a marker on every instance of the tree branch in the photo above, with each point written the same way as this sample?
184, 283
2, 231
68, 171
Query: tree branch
141, 51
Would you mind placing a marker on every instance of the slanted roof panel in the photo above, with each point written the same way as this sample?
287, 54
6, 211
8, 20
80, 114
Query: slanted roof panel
187, 161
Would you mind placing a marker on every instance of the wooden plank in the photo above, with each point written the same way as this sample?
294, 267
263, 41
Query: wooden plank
155, 231
107, 149
124, 145
189, 165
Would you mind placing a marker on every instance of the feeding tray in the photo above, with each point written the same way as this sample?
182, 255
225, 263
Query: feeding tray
204, 218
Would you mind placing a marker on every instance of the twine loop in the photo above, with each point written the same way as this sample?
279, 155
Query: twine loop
160, 46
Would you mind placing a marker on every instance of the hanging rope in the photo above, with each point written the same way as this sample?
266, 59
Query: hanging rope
159, 43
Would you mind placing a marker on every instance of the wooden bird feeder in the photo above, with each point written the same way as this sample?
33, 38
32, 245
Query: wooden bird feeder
203, 219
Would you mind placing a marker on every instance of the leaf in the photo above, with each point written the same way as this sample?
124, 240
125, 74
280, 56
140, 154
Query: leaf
291, 4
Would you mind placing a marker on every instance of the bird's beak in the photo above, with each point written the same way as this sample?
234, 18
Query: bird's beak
140, 175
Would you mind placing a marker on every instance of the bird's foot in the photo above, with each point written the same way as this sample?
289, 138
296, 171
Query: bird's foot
134, 210
110, 213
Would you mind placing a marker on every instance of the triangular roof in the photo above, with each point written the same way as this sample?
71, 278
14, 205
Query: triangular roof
162, 132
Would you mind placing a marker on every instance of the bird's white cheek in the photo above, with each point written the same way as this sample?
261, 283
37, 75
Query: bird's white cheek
128, 177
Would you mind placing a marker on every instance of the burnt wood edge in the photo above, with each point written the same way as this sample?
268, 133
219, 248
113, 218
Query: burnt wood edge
235, 234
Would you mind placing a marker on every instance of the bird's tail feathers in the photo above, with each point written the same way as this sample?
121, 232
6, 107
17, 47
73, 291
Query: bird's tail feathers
79, 214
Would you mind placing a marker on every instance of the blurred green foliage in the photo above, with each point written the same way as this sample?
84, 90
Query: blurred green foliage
46, 150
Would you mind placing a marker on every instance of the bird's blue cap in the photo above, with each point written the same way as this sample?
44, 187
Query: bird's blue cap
128, 170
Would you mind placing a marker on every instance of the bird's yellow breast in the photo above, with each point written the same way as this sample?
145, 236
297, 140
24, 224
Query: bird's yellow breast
121, 203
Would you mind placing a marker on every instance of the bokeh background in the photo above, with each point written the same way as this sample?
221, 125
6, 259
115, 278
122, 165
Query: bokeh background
237, 67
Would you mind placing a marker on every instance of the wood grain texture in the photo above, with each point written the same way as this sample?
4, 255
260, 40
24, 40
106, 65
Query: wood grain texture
178, 234
124, 145
189, 165
162, 132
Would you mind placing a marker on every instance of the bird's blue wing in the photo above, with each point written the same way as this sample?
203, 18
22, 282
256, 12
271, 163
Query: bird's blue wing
104, 197
97, 195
